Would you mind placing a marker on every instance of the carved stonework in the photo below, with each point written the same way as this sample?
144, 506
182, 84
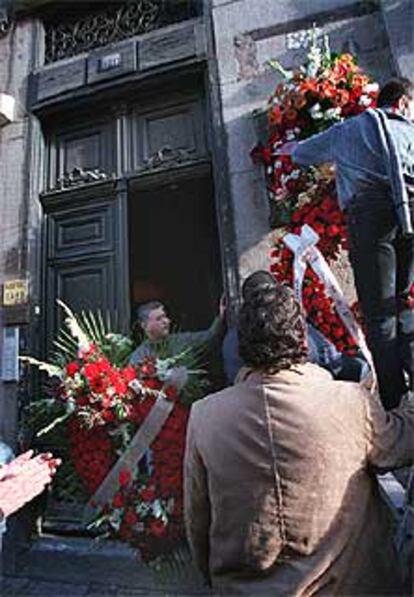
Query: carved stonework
79, 177
66, 37
245, 52
167, 158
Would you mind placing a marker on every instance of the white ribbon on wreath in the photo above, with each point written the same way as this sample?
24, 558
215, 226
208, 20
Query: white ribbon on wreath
306, 253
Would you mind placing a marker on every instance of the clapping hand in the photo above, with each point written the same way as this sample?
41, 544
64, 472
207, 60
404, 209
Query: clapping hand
25, 478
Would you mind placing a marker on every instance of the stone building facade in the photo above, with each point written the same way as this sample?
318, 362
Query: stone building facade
104, 139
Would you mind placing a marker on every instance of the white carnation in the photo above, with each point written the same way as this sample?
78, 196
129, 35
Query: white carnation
371, 88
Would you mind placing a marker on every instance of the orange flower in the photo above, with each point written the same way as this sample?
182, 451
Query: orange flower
359, 80
339, 74
346, 59
326, 90
309, 85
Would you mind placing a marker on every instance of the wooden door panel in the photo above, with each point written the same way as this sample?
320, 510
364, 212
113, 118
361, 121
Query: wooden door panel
87, 231
82, 286
87, 253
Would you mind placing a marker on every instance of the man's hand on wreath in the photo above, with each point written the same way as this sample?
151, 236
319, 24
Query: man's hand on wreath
23, 479
178, 377
327, 170
287, 148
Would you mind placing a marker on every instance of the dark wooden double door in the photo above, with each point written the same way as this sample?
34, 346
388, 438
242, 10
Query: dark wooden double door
147, 228
113, 245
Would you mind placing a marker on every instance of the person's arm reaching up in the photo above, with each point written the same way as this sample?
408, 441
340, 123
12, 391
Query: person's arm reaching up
318, 149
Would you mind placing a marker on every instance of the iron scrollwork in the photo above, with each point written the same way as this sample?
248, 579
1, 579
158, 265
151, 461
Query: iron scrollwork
66, 38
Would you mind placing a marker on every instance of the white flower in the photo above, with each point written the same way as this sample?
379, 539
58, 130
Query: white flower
365, 100
333, 112
316, 112
371, 88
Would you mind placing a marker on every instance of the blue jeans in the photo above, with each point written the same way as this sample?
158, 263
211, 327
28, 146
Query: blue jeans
383, 263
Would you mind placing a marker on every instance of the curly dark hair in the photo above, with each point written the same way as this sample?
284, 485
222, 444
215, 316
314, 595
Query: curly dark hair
271, 328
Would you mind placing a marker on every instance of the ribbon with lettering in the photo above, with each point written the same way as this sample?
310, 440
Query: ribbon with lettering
306, 253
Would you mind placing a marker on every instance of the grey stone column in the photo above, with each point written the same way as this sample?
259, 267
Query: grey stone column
398, 17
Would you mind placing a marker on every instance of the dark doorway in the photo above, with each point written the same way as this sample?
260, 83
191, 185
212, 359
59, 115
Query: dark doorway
174, 249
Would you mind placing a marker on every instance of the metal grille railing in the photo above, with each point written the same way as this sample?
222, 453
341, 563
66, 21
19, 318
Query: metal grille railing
104, 23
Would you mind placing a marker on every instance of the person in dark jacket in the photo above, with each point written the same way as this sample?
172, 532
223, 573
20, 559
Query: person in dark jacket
373, 154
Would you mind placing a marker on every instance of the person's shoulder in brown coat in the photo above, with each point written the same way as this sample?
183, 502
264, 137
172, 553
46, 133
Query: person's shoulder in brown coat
280, 492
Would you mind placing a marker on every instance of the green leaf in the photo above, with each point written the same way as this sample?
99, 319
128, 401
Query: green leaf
275, 65
53, 424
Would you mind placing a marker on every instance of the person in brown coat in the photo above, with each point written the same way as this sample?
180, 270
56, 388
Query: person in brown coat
280, 493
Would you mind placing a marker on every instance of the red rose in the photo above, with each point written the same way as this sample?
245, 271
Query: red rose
148, 369
129, 373
337, 332
103, 365
108, 415
153, 384
124, 477
91, 371
118, 500
98, 385
82, 400
72, 368
130, 517
157, 528
171, 393
147, 494
120, 387
333, 230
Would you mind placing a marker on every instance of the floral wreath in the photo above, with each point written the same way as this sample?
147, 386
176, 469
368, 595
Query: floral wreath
104, 402
326, 90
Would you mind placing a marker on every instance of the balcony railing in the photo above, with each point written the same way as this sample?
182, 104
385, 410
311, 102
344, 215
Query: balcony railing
73, 28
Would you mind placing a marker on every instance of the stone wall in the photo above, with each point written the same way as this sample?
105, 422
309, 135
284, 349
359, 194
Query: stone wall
249, 33
398, 18
20, 173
